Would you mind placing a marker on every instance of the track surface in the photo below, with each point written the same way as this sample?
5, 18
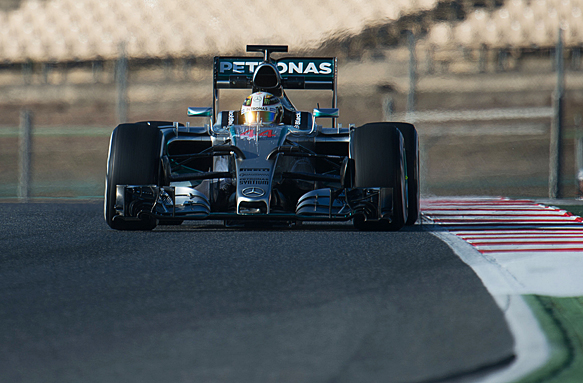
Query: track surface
197, 303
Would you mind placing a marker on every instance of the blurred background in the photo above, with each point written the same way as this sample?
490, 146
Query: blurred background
488, 83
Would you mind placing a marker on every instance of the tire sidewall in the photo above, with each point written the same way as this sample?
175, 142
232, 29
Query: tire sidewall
133, 159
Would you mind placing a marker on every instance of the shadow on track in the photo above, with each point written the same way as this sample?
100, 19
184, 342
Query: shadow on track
253, 227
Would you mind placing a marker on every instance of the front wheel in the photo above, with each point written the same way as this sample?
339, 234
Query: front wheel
378, 151
134, 159
412, 153
411, 139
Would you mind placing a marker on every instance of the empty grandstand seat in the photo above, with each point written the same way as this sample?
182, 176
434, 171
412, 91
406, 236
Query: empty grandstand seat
441, 34
539, 8
464, 34
515, 8
513, 33
214, 27
490, 35
539, 35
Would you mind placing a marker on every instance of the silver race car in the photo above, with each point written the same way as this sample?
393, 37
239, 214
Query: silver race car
267, 163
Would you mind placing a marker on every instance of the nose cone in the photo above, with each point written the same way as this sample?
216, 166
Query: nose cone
255, 171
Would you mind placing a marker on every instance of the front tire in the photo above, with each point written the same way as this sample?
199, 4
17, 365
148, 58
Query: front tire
412, 152
379, 162
134, 159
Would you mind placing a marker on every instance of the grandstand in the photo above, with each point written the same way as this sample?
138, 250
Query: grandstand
517, 23
52, 31
84, 30
59, 58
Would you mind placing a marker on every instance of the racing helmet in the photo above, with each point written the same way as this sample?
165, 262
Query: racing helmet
262, 108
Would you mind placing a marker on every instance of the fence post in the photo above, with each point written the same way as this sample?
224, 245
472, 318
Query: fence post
578, 120
121, 80
555, 151
424, 144
388, 108
24, 152
412, 72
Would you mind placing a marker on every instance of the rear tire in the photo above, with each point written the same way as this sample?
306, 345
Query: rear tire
379, 162
134, 159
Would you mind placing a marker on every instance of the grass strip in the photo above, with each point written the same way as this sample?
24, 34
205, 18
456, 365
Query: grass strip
562, 321
575, 209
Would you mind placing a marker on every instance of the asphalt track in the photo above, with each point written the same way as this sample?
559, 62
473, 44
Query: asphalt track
200, 303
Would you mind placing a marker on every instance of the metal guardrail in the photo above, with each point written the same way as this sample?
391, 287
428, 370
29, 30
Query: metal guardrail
25, 155
26, 133
64, 131
438, 116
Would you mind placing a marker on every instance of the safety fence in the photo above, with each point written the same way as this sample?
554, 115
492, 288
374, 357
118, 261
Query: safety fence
484, 123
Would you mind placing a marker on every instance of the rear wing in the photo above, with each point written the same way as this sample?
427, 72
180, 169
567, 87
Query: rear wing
235, 72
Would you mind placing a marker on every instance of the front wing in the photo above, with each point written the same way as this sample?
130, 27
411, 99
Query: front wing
135, 202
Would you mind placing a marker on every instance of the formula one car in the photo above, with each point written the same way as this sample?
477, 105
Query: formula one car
266, 163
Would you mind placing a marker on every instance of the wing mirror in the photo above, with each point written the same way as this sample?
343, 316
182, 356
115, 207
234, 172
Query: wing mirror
325, 112
194, 111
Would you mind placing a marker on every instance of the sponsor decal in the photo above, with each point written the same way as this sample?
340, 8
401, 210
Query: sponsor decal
251, 132
231, 118
253, 176
285, 67
253, 192
298, 120
238, 66
269, 133
254, 169
299, 68
258, 181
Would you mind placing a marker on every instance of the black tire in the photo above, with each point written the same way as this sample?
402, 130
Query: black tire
399, 195
134, 159
379, 162
412, 153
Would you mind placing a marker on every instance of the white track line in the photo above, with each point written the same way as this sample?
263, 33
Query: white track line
527, 239
530, 344
516, 247
520, 236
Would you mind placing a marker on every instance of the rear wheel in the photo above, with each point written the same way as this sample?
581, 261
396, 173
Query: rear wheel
379, 162
134, 159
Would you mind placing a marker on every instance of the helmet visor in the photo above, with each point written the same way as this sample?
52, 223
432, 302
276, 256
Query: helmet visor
262, 117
